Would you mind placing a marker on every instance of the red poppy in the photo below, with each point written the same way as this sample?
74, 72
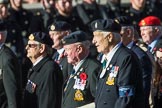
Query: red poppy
83, 76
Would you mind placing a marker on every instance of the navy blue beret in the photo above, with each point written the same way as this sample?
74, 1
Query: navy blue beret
106, 25
59, 26
74, 37
3, 26
41, 37
124, 20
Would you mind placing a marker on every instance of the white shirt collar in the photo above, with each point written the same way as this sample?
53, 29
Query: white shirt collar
38, 60
78, 65
110, 55
60, 51
130, 45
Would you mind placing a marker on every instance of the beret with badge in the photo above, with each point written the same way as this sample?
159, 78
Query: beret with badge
74, 37
59, 26
124, 20
150, 21
41, 37
108, 25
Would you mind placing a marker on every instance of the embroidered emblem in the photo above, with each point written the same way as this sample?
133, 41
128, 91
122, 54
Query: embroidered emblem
78, 96
31, 37
110, 80
126, 91
52, 27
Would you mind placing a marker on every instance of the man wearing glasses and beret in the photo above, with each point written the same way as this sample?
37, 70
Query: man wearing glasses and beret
44, 85
120, 82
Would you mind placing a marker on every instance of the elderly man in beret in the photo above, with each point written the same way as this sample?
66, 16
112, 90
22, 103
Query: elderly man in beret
80, 88
57, 31
10, 75
120, 82
127, 36
151, 31
44, 85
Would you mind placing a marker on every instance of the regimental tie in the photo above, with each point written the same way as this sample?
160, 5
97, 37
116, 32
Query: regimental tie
103, 68
70, 77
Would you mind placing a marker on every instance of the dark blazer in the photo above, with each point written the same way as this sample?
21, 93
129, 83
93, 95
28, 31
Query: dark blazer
9, 79
44, 86
146, 65
121, 85
90, 68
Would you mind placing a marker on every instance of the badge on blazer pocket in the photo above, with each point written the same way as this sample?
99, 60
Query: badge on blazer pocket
78, 96
30, 87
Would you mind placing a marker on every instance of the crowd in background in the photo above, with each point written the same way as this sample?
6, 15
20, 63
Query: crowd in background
78, 38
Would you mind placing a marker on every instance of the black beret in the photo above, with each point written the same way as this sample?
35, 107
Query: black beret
106, 25
41, 37
59, 26
2, 26
74, 37
123, 20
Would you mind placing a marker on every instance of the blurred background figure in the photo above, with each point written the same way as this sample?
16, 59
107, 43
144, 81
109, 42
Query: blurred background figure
90, 10
114, 6
14, 38
21, 16
137, 10
10, 74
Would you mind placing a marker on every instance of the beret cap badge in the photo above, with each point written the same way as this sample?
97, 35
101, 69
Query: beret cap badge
63, 41
96, 25
31, 37
143, 23
52, 27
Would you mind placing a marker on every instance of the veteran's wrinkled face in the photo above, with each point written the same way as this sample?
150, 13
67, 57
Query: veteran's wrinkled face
147, 34
56, 37
101, 42
33, 50
72, 53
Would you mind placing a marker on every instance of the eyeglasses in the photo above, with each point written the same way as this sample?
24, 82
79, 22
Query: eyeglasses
32, 45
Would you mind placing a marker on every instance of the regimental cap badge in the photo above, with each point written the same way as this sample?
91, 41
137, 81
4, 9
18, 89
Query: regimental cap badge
96, 25
143, 23
52, 27
63, 41
117, 21
31, 37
